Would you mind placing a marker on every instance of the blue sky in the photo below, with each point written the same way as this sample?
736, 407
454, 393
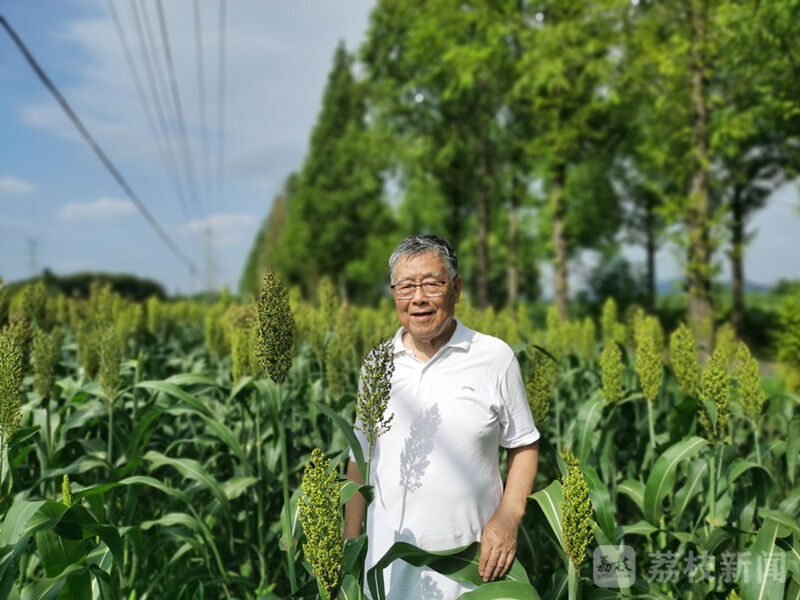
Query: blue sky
55, 192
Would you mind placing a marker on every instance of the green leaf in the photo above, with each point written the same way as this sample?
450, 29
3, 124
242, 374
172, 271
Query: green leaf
50, 588
183, 379
502, 590
639, 528
349, 434
172, 390
634, 489
792, 448
662, 478
586, 426
765, 552
549, 499
355, 549
692, 487
235, 486
601, 500
350, 590
191, 469
459, 564
786, 521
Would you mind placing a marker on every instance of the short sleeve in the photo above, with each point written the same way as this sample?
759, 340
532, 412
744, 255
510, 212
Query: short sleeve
516, 421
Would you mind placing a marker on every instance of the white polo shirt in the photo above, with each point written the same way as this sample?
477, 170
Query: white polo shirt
436, 472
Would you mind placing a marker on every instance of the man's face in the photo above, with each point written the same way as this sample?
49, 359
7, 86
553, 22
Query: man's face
425, 318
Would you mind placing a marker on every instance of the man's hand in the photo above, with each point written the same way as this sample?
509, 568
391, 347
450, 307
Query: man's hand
498, 545
499, 537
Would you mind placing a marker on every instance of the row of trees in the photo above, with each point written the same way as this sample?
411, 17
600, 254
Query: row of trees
528, 130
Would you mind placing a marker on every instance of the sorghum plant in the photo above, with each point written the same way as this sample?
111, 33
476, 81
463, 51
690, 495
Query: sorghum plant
683, 356
715, 387
576, 511
648, 358
748, 385
10, 380
339, 350
612, 330
373, 393
321, 519
275, 329
611, 365
539, 385
66, 490
20, 328
46, 347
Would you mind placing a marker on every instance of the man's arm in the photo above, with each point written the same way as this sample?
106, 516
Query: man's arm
354, 509
499, 537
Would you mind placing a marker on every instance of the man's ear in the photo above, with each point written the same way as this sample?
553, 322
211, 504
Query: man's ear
457, 289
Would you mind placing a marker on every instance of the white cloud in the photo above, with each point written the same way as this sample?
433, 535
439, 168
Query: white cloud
98, 210
13, 186
225, 229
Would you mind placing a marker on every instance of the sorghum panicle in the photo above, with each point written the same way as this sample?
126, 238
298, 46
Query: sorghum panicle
46, 347
539, 385
275, 329
611, 365
612, 330
587, 339
339, 351
648, 358
748, 382
319, 514
715, 387
576, 511
21, 329
66, 490
373, 393
110, 361
10, 380
683, 356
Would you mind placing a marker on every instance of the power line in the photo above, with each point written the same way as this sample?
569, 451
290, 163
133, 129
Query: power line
168, 105
221, 106
163, 150
176, 98
201, 87
153, 77
95, 146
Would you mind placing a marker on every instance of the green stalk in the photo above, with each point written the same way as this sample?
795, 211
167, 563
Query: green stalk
259, 495
712, 490
557, 402
755, 441
287, 516
650, 424
572, 582
110, 432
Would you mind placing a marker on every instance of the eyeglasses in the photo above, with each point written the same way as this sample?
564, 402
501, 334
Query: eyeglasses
430, 289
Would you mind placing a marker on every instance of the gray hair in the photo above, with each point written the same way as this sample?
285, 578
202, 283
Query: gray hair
415, 245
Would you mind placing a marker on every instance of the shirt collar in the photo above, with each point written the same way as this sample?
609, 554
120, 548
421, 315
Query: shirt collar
461, 338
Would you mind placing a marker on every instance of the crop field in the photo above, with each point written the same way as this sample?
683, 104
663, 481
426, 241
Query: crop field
146, 453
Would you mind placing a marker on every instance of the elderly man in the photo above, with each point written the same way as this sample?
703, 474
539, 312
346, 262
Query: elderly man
457, 396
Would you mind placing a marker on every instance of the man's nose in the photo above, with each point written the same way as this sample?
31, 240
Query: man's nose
421, 298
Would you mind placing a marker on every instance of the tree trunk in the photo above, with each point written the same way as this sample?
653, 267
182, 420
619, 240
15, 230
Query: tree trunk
701, 312
650, 248
737, 261
512, 272
559, 208
482, 249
